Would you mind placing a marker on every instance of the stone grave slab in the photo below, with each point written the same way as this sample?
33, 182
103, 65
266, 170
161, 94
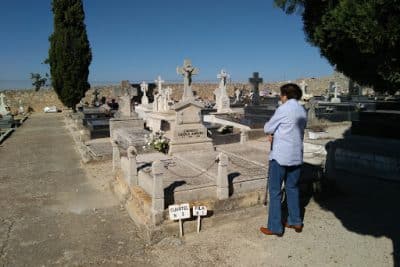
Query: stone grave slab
99, 128
126, 137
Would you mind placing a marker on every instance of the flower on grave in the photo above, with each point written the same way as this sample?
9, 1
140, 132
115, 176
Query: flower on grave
158, 142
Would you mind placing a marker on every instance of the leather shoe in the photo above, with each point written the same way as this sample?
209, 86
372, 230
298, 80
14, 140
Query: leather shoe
297, 228
266, 231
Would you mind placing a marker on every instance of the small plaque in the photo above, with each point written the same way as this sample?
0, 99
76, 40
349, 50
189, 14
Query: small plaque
199, 210
179, 212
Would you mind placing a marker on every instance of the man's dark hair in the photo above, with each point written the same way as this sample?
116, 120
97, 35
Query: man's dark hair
291, 90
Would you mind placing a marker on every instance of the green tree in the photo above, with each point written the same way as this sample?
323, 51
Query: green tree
361, 38
69, 54
38, 81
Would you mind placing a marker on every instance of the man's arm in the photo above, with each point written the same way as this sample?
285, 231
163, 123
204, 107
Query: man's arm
271, 126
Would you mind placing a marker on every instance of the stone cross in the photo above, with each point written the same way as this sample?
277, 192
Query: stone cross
335, 88
187, 70
223, 76
335, 99
168, 92
255, 81
159, 82
144, 87
237, 94
222, 99
96, 97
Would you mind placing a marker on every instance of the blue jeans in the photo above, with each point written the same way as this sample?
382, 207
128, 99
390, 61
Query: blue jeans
291, 176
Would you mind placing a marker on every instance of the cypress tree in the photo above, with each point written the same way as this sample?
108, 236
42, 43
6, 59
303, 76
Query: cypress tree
69, 54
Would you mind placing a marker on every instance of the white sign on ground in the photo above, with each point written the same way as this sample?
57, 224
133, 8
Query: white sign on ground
199, 210
179, 212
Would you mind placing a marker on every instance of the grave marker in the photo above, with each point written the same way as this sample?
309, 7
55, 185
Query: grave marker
255, 81
179, 212
187, 70
199, 211
144, 87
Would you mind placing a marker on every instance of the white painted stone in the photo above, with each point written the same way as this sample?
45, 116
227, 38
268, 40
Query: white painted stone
144, 87
237, 95
335, 98
222, 98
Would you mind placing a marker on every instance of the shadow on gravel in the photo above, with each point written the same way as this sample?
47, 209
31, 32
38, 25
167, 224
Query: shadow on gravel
367, 206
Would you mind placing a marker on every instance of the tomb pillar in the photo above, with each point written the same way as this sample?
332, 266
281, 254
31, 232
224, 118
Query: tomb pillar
132, 169
116, 157
157, 203
222, 177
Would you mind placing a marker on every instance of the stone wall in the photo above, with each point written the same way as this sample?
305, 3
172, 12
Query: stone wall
38, 100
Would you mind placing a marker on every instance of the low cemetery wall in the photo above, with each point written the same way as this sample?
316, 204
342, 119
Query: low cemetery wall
37, 101
31, 100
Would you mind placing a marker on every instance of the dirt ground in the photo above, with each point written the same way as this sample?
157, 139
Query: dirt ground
57, 212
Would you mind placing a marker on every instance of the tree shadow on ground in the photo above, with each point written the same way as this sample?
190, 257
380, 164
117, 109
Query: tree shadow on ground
367, 206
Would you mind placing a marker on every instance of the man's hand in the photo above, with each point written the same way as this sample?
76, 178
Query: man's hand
270, 137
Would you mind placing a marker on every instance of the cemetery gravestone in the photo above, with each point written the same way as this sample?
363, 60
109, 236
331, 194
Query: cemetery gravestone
238, 94
255, 81
189, 133
187, 71
144, 87
222, 99
335, 98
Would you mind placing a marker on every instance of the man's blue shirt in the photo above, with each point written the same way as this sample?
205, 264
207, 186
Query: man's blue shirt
287, 124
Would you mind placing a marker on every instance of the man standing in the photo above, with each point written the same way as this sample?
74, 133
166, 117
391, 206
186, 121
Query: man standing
286, 130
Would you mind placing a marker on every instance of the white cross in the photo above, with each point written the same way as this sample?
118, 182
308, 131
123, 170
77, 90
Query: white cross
168, 93
144, 87
159, 82
223, 75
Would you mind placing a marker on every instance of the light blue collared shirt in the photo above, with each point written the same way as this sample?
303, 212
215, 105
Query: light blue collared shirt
287, 124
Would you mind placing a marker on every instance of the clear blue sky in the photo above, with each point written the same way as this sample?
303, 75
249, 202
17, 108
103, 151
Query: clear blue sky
138, 40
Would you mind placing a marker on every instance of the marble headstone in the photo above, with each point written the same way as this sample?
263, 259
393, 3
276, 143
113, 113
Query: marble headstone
188, 133
222, 99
